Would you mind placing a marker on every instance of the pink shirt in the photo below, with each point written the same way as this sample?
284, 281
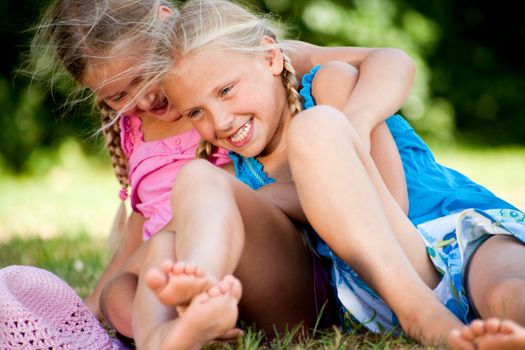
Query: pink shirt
153, 167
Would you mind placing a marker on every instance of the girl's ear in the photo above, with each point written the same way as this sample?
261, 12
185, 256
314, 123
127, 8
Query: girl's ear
273, 55
164, 12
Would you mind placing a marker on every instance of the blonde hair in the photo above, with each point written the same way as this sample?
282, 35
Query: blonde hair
75, 34
227, 25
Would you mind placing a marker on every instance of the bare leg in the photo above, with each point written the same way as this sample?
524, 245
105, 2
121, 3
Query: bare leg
225, 227
118, 294
116, 300
148, 312
348, 204
496, 281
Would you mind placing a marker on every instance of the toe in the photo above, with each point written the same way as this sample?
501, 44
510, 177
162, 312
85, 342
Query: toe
166, 265
190, 269
155, 279
456, 341
492, 325
178, 267
509, 327
477, 327
214, 291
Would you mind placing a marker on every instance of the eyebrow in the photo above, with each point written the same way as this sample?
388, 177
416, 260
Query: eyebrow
214, 91
132, 83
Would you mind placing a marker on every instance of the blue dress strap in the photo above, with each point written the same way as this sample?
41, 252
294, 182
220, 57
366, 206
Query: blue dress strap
250, 171
306, 90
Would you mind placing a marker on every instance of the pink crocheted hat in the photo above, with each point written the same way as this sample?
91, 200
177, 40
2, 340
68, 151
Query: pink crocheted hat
40, 311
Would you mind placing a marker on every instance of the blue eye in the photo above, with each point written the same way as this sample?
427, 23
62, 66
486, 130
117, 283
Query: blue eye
226, 90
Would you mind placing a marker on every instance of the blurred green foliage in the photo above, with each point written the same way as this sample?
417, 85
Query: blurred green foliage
468, 88
33, 119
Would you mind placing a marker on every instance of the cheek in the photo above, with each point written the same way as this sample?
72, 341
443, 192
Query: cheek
205, 129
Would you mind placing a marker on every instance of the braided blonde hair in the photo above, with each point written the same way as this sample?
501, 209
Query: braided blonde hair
290, 82
111, 130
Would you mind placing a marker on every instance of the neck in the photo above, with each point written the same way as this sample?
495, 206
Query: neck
154, 129
278, 142
275, 159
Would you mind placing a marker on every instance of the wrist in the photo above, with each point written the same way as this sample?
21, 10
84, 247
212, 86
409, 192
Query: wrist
361, 121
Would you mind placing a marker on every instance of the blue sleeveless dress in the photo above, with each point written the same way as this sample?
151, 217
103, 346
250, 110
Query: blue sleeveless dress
453, 215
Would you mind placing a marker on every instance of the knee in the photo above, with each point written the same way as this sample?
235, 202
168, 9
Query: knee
499, 299
195, 175
317, 126
197, 169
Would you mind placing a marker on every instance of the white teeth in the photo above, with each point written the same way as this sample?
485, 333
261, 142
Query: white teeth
242, 133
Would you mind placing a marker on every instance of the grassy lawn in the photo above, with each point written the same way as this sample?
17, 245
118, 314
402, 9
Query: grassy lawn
59, 222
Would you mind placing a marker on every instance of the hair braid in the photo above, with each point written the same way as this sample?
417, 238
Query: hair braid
204, 150
111, 130
290, 83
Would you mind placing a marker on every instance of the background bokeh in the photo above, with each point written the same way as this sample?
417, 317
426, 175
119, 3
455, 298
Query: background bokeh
469, 85
58, 195
468, 95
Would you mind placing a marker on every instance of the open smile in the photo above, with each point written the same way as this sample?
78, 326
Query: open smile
242, 136
160, 106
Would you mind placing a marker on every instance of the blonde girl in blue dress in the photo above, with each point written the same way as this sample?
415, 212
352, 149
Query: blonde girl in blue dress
226, 72
99, 43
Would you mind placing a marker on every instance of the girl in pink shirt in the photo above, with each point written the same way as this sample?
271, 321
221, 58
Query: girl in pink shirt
150, 142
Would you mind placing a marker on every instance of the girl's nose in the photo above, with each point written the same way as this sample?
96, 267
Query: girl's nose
148, 100
223, 121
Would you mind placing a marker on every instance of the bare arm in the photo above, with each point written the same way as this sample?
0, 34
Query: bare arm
377, 89
385, 79
131, 240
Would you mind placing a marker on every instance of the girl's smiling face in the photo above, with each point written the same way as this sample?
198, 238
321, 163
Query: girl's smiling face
111, 84
115, 80
235, 101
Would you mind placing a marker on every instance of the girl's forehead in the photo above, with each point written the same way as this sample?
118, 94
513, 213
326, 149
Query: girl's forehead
105, 77
206, 61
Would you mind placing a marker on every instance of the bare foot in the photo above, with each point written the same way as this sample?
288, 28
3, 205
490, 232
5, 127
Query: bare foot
232, 284
175, 284
210, 315
422, 325
488, 335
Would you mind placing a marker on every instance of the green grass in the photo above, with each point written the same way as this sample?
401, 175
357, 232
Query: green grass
59, 221
75, 195
79, 260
